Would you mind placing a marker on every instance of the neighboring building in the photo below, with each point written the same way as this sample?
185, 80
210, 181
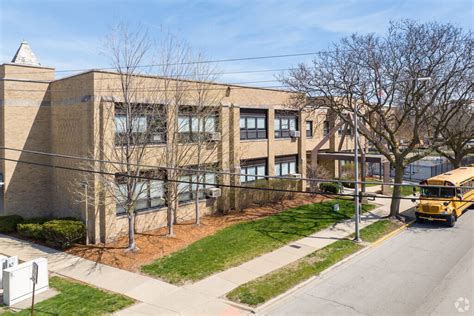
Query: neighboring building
65, 116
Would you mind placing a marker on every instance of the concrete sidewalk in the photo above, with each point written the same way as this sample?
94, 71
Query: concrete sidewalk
200, 298
221, 283
153, 296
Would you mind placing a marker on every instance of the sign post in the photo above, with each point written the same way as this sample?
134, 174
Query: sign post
34, 278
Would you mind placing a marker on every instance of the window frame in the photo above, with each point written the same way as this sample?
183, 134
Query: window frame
192, 136
255, 132
148, 199
191, 187
310, 134
282, 123
255, 166
285, 163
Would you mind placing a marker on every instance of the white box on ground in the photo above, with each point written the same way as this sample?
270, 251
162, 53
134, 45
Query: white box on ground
17, 283
5, 263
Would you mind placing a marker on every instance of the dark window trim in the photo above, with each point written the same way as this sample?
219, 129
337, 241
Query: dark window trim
282, 115
309, 133
255, 132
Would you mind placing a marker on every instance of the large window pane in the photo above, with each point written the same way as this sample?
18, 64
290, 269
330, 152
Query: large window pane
251, 122
284, 124
260, 123
292, 167
210, 179
251, 173
157, 193
242, 122
284, 169
183, 124
277, 125
184, 186
292, 124
195, 126
139, 124
278, 169
211, 123
120, 123
261, 171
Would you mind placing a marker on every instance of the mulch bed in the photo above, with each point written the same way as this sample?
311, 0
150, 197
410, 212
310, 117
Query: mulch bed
155, 244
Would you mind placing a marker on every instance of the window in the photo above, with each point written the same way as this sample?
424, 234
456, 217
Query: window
191, 127
286, 165
147, 194
325, 128
285, 122
309, 128
188, 189
253, 170
341, 130
253, 124
141, 129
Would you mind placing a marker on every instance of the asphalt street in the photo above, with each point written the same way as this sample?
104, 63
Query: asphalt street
425, 270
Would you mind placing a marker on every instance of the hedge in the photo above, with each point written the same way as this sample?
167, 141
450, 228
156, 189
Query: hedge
274, 190
8, 223
330, 187
31, 230
63, 233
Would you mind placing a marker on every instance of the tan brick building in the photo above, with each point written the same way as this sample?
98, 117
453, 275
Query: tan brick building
258, 127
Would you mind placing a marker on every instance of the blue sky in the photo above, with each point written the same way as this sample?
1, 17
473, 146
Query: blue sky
69, 34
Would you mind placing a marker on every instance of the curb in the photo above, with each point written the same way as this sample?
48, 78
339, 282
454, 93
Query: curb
391, 234
373, 245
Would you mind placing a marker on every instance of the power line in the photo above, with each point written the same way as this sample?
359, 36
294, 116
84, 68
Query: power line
210, 61
151, 89
221, 185
216, 172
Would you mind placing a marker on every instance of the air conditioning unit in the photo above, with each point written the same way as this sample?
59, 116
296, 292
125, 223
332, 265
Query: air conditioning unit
215, 136
295, 175
295, 134
213, 193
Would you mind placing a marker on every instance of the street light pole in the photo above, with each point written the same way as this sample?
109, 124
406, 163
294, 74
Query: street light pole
356, 171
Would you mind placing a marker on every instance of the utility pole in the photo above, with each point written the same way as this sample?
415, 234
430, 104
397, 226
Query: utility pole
356, 176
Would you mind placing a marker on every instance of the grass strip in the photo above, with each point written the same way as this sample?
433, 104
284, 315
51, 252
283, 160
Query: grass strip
77, 299
279, 281
241, 242
405, 190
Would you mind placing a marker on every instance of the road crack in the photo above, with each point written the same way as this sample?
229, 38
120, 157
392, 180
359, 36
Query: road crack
338, 303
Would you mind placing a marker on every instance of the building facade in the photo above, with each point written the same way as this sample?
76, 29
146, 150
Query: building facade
260, 133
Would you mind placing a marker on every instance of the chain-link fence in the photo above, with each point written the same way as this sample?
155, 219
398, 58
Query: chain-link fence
421, 169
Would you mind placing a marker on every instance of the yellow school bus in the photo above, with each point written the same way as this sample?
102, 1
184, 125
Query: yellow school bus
446, 196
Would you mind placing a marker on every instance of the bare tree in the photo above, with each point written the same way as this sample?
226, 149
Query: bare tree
192, 103
380, 75
458, 134
134, 124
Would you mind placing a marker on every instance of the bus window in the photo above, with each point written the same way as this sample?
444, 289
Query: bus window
429, 191
447, 192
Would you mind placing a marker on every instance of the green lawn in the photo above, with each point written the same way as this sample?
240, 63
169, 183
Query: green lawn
77, 299
406, 190
273, 284
239, 243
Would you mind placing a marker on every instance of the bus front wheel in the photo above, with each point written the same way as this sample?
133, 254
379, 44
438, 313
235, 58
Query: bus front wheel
452, 219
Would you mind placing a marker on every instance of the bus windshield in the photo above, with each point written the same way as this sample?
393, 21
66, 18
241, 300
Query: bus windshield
437, 192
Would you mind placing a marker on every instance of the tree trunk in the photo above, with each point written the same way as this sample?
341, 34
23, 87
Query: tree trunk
395, 204
457, 161
170, 218
132, 246
196, 203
